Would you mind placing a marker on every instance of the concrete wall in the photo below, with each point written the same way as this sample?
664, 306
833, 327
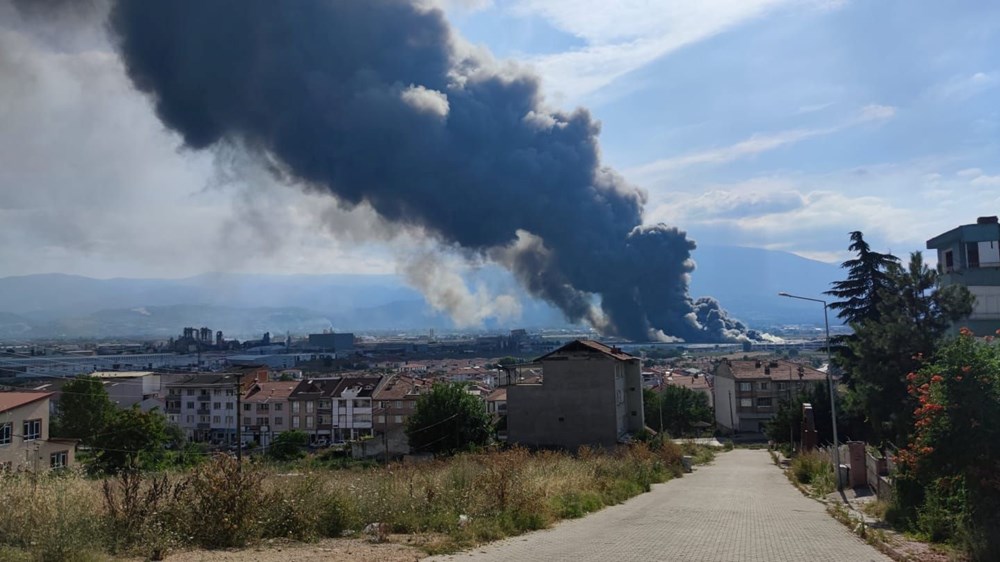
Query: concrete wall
725, 413
577, 404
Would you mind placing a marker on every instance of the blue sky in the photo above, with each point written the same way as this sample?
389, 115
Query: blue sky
768, 123
774, 123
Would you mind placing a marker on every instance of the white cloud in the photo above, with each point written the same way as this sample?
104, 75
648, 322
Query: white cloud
756, 144
969, 173
625, 35
964, 86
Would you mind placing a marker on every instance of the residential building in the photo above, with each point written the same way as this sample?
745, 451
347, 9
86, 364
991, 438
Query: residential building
204, 405
131, 388
692, 379
746, 393
395, 401
589, 394
334, 410
24, 434
969, 255
266, 410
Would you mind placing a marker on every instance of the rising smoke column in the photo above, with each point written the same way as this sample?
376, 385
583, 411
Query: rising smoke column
375, 102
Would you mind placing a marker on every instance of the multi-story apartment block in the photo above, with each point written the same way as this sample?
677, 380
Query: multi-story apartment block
266, 410
589, 394
746, 393
24, 434
204, 405
395, 402
969, 255
333, 410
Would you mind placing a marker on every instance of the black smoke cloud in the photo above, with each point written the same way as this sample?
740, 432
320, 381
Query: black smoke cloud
377, 102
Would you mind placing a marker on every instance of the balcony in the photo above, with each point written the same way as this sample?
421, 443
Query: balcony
203, 412
204, 397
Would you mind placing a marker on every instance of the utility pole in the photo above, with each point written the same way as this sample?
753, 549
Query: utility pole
239, 420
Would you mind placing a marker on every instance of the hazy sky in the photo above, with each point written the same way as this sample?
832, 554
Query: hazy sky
768, 123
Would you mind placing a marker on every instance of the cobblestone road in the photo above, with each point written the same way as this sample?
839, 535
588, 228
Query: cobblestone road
741, 508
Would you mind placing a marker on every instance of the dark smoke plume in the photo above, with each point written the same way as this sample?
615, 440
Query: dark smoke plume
376, 102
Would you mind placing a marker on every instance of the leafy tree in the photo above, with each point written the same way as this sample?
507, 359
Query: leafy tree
132, 440
448, 419
84, 410
288, 445
867, 278
787, 419
678, 407
946, 481
914, 315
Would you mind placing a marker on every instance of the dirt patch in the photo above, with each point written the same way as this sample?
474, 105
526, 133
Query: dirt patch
327, 550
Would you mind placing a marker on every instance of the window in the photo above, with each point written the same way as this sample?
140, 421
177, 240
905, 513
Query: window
172, 418
397, 419
216, 419
763, 385
247, 407
309, 407
295, 422
190, 405
5, 431
277, 407
324, 404
246, 421
972, 253
746, 402
380, 419
203, 419
263, 407
190, 392
229, 392
261, 421
190, 419
32, 430
217, 405
279, 420
217, 391
782, 386
229, 405
746, 387
204, 392
309, 420
58, 459
229, 420
362, 404
763, 402
295, 407
399, 403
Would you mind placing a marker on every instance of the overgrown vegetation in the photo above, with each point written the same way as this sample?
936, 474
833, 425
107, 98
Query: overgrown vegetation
466, 499
677, 410
813, 469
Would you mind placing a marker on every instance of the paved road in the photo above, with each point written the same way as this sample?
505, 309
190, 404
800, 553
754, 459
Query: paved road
741, 508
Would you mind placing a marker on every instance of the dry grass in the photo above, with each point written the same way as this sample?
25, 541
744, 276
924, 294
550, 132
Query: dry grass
464, 500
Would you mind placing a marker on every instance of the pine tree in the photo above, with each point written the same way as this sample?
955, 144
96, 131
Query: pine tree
867, 277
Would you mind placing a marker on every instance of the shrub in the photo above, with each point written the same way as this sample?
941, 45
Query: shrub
227, 499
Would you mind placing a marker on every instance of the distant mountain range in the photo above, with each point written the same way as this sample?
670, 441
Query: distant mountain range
745, 280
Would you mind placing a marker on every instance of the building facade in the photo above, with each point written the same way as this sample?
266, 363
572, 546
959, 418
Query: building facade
205, 405
266, 411
589, 394
969, 255
334, 410
24, 434
746, 393
395, 402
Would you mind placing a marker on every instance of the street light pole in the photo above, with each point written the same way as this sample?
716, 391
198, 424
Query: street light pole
829, 379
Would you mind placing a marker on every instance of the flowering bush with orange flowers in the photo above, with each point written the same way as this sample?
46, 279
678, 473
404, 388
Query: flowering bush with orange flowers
948, 475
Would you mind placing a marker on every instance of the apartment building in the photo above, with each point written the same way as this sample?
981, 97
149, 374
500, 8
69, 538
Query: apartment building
266, 411
969, 255
24, 434
395, 401
334, 410
589, 394
204, 405
746, 393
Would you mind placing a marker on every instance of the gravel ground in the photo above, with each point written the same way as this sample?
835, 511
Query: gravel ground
328, 550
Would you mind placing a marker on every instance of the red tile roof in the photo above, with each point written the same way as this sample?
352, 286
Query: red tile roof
591, 345
11, 400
